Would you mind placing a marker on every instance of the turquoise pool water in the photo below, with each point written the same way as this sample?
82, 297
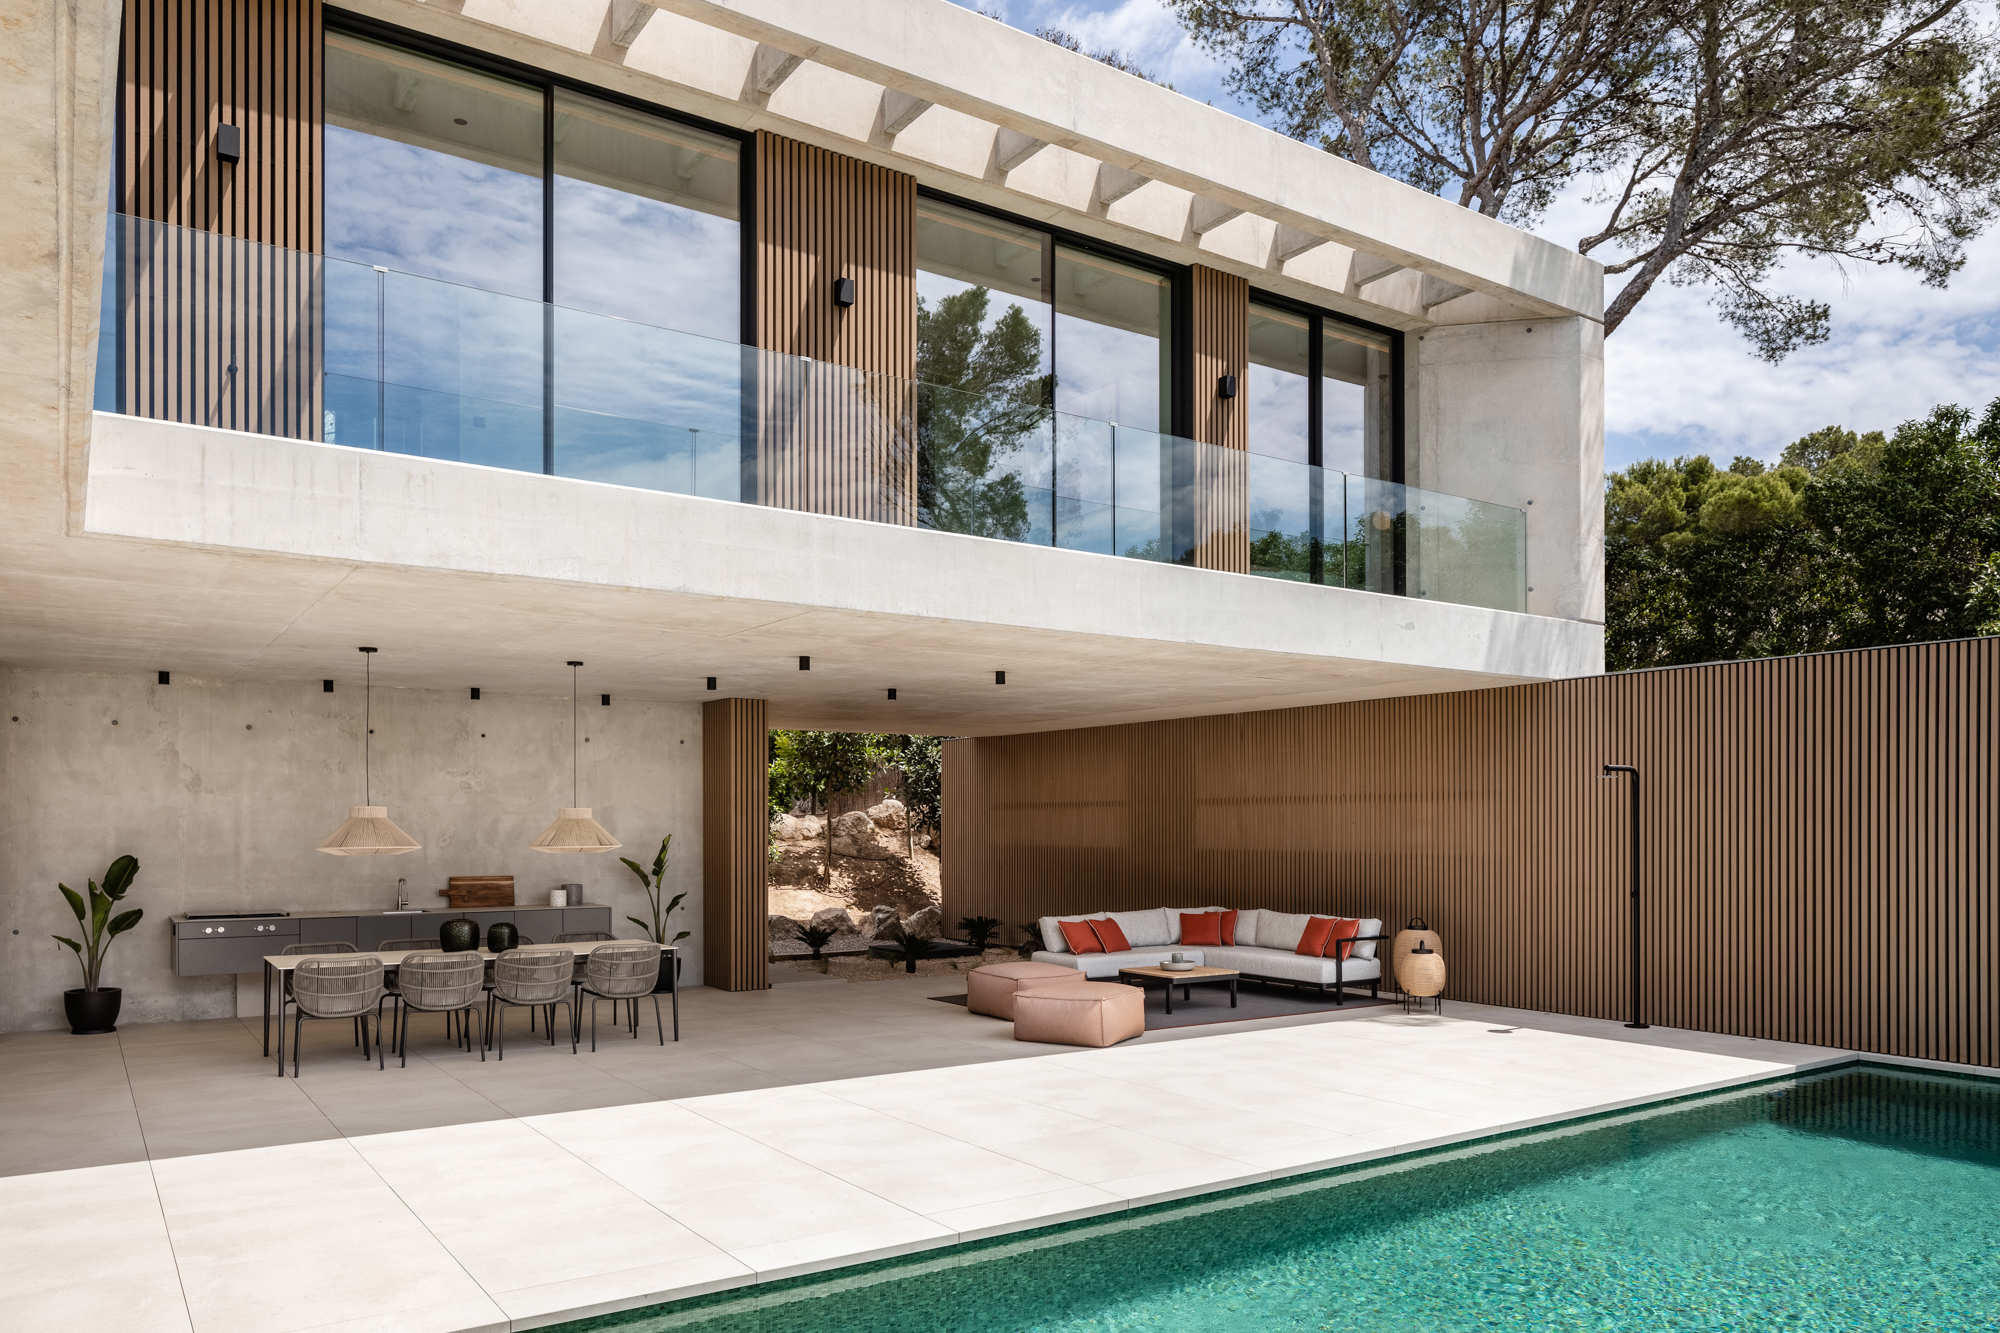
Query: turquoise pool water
1861, 1200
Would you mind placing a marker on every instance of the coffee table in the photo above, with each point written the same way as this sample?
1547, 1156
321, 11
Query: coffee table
1167, 979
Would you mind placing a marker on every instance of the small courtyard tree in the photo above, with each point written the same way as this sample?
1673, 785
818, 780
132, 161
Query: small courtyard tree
820, 764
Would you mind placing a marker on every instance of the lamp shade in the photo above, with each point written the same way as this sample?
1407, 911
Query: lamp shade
368, 831
575, 831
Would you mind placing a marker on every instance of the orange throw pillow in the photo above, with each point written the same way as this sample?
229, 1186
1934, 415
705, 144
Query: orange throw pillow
1340, 940
1312, 942
1082, 939
1110, 935
1201, 928
1229, 926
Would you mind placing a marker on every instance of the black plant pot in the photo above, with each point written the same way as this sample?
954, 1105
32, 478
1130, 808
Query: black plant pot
666, 979
92, 1011
501, 936
459, 935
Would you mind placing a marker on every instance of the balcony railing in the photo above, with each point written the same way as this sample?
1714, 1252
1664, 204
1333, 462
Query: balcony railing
213, 331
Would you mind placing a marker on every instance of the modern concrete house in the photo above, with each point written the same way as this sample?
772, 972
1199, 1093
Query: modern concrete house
693, 341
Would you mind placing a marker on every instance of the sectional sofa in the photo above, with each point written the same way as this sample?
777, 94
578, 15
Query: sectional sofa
1265, 946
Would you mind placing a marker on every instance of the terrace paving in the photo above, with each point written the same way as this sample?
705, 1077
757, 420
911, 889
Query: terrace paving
165, 1179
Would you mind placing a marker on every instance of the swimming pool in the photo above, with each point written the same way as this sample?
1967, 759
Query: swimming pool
1868, 1198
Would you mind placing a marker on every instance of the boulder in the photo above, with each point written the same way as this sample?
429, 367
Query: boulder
855, 835
787, 828
880, 918
889, 814
809, 827
835, 919
924, 923
780, 927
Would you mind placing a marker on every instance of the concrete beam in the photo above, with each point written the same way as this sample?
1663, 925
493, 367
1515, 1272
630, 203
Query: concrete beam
1011, 148
1205, 215
628, 20
1367, 268
974, 65
900, 110
1289, 243
770, 67
1114, 183
1436, 291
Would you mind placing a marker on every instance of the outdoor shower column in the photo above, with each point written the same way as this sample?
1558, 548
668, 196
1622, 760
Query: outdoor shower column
735, 836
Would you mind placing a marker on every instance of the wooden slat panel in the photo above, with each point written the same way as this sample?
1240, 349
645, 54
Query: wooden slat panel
1821, 857
1220, 328
735, 807
836, 436
222, 332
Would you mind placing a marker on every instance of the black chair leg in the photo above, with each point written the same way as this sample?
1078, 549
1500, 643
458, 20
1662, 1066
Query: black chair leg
659, 1028
499, 1038
593, 1025
469, 1016
298, 1030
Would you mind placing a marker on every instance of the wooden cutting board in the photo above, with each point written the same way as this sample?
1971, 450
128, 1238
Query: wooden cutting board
479, 891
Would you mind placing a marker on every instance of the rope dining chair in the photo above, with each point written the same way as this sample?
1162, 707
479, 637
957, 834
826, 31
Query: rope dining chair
583, 937
531, 979
336, 987
297, 950
439, 983
622, 970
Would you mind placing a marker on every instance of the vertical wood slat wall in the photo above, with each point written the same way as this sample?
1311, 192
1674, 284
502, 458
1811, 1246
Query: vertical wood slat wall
831, 440
1821, 854
735, 833
1220, 329
220, 301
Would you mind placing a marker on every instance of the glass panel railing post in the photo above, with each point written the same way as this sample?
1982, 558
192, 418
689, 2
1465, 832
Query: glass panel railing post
381, 357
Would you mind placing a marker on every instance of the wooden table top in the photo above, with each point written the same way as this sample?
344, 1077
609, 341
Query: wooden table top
1180, 974
392, 957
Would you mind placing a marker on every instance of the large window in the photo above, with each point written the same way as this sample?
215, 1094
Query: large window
528, 277
1322, 426
1046, 374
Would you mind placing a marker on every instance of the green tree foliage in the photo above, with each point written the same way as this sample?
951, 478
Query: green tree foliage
817, 765
920, 759
1851, 541
982, 396
1714, 139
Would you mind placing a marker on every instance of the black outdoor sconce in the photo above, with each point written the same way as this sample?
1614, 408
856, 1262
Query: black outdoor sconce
843, 292
1628, 771
229, 143
1225, 387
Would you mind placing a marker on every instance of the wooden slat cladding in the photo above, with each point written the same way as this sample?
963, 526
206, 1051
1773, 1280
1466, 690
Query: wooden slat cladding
735, 836
1821, 837
1220, 330
836, 436
220, 292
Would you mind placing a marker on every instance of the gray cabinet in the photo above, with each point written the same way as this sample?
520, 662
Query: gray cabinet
540, 924
222, 947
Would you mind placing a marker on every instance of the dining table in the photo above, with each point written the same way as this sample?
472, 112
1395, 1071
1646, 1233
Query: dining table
276, 966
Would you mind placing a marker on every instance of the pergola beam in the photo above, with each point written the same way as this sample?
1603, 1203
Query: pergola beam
1436, 291
900, 110
1205, 215
1114, 183
1368, 268
1289, 242
770, 66
1011, 148
628, 20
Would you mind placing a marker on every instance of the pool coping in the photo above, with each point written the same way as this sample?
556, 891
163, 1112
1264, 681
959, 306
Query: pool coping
1394, 1157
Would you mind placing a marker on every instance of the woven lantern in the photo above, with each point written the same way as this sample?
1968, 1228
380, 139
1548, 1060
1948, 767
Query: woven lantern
1421, 977
573, 829
1406, 941
368, 830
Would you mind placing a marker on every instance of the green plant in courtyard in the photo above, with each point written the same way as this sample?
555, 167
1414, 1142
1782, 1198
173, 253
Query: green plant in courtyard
655, 885
814, 937
1031, 938
99, 925
910, 948
820, 764
979, 930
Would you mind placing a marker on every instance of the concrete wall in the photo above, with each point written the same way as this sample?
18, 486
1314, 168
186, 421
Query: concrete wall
1514, 413
223, 789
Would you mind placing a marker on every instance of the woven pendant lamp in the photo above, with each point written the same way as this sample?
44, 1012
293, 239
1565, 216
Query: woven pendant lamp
574, 830
368, 830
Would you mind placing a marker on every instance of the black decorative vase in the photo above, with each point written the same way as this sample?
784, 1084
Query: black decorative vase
501, 936
91, 1012
459, 935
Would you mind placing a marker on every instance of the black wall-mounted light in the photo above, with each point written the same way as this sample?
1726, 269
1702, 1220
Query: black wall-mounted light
166, 678
1225, 387
999, 678
604, 701
326, 687
711, 682
229, 143
1628, 771
805, 663
892, 693
843, 292
475, 693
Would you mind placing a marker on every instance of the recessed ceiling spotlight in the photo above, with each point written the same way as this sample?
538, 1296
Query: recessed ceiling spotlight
999, 678
805, 663
475, 694
892, 692
711, 682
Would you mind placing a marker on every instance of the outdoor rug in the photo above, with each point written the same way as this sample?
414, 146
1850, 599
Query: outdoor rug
1211, 1005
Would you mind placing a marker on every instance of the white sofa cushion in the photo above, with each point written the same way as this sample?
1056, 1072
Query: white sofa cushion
1284, 965
1277, 930
1366, 949
1149, 928
1246, 924
1100, 966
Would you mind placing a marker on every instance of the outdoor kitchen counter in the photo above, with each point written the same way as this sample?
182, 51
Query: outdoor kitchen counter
210, 946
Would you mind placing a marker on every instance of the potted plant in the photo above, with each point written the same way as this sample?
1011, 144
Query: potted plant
1031, 939
979, 930
815, 938
92, 1008
655, 885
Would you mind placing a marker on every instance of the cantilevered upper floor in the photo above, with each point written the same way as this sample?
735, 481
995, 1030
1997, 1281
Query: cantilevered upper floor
736, 333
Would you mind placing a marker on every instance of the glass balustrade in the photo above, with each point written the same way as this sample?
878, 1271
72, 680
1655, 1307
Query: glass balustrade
211, 331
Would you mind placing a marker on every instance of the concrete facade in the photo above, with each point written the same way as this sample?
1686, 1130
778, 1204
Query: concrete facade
223, 790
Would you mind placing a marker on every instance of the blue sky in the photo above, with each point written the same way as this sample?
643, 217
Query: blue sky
1678, 381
